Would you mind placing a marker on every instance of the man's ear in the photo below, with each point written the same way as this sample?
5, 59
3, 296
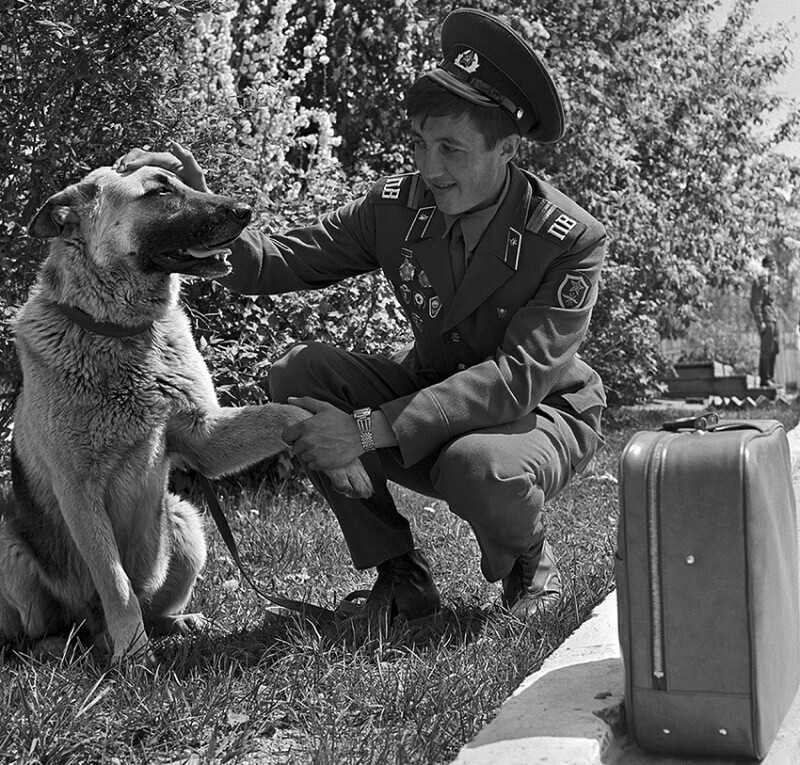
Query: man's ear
60, 210
509, 146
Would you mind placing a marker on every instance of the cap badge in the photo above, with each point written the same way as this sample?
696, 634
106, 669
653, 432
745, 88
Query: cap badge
467, 60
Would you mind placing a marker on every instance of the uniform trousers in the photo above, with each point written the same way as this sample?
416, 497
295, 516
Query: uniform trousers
497, 479
769, 346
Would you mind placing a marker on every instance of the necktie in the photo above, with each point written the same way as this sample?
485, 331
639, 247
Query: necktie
458, 261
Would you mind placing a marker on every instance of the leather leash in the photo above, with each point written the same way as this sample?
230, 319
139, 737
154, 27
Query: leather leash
313, 613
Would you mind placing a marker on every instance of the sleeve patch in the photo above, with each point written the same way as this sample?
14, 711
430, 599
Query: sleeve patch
573, 291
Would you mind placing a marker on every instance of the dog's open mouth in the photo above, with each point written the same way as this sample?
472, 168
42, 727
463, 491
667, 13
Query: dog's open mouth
208, 261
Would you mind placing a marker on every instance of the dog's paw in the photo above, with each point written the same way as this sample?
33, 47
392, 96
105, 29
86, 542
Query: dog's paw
196, 622
133, 650
352, 480
177, 624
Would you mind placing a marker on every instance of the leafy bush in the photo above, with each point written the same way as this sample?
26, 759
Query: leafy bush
623, 340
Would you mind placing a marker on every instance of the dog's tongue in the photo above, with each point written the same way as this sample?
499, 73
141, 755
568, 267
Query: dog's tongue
218, 252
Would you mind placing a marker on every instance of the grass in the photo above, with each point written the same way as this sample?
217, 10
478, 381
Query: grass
262, 690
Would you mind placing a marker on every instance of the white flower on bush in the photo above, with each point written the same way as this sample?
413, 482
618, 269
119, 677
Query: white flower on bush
247, 46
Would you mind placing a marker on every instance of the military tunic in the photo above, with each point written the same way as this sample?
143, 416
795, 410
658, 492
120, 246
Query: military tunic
494, 355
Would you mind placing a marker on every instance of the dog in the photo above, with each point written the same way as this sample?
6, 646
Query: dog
115, 393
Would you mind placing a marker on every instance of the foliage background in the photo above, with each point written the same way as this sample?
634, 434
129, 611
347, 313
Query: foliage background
296, 106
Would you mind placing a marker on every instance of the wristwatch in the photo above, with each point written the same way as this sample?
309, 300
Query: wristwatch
362, 418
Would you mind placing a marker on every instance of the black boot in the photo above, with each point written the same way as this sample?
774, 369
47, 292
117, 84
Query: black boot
404, 588
533, 586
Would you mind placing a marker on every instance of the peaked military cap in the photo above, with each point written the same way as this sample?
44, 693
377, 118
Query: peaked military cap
488, 63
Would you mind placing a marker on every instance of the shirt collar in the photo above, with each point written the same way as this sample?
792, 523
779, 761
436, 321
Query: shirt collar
474, 224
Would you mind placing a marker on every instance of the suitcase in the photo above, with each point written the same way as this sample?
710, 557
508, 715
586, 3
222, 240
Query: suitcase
707, 581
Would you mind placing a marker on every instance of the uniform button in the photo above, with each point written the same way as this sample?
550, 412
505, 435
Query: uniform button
461, 367
455, 337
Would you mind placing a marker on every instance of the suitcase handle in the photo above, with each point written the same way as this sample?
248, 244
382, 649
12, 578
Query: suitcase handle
709, 422
705, 421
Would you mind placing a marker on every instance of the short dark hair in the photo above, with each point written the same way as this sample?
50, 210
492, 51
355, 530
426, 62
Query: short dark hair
427, 98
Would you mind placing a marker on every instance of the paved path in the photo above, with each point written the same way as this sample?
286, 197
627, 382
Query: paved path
566, 713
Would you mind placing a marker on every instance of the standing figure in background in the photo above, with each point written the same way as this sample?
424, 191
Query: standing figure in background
762, 304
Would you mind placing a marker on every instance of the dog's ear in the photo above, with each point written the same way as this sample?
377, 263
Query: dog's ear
61, 209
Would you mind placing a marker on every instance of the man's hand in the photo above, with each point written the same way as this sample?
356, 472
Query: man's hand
327, 440
177, 160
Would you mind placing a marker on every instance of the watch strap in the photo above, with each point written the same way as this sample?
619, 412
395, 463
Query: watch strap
362, 418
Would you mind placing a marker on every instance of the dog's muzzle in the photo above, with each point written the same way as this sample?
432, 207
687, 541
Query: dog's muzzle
205, 252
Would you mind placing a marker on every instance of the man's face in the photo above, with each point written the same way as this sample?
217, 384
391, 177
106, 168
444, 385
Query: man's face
453, 159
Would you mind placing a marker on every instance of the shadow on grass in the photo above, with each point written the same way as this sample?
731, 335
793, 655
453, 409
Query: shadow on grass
281, 636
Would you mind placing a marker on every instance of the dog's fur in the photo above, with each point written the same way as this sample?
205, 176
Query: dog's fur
92, 536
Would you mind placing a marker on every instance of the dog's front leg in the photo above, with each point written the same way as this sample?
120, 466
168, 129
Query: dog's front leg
91, 530
225, 440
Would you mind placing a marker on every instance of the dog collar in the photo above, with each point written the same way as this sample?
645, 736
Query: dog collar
107, 328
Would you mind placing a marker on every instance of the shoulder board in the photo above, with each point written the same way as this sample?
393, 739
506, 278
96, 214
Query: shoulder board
404, 189
551, 222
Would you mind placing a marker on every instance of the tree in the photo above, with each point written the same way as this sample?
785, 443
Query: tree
296, 105
665, 148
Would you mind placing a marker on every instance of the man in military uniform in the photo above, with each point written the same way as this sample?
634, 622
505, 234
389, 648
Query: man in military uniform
490, 410
763, 308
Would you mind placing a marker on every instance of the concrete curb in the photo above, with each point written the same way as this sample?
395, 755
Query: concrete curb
567, 712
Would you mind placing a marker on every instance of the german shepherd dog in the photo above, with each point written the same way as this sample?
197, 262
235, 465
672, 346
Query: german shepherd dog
114, 393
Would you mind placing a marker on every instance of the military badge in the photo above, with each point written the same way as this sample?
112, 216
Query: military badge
572, 291
420, 223
434, 306
405, 292
419, 299
418, 323
468, 60
424, 281
406, 270
502, 313
513, 247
